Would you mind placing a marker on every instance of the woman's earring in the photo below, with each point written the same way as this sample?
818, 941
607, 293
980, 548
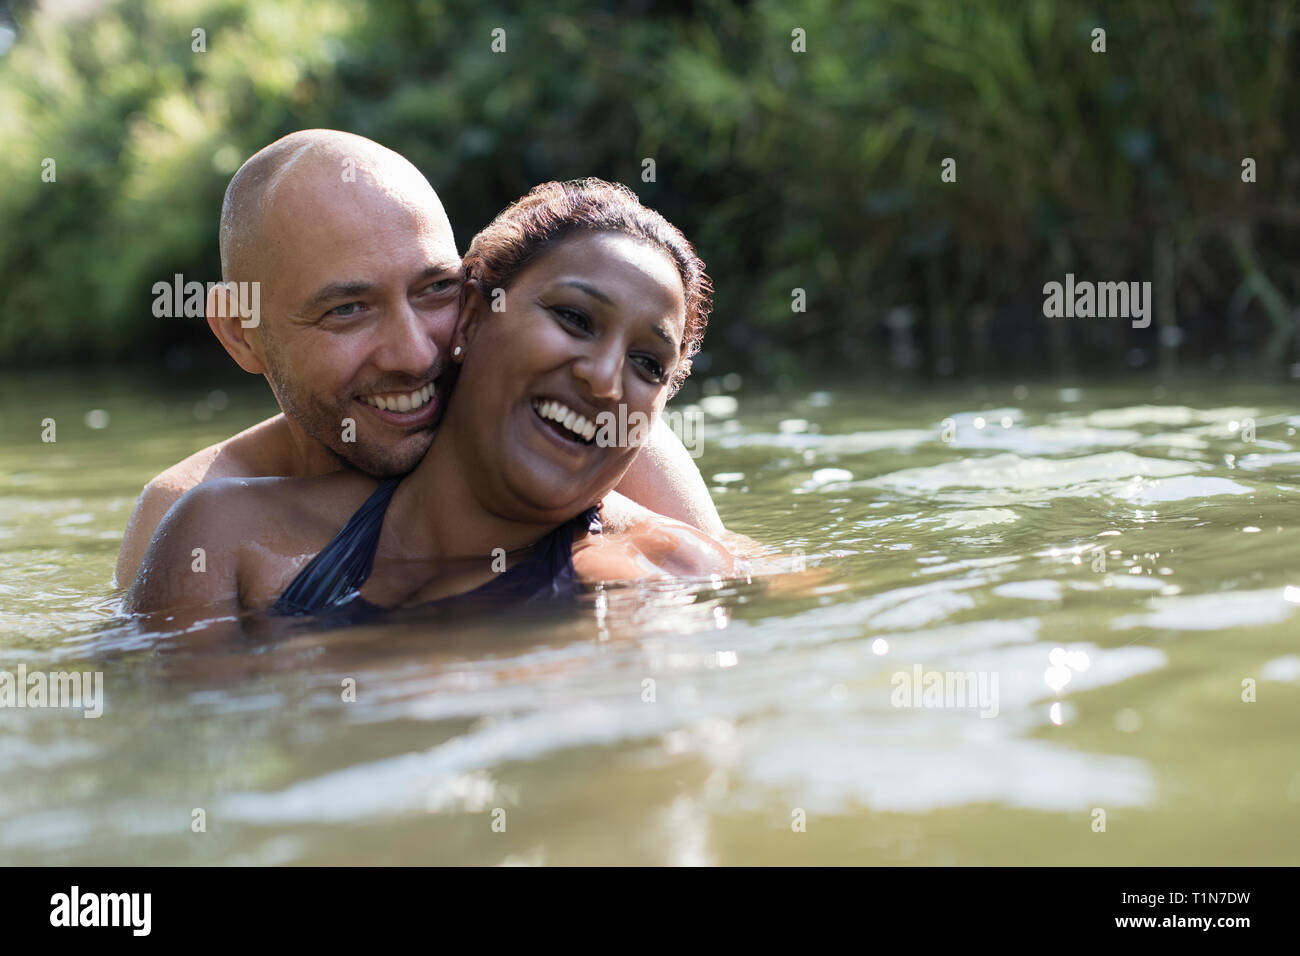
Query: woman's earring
456, 351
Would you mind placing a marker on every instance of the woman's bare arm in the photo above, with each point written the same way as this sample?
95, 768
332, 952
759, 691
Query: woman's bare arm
656, 547
193, 559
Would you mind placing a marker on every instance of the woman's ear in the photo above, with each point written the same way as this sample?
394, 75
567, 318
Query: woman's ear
473, 312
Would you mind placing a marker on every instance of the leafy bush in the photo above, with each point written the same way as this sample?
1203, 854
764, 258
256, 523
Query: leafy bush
816, 170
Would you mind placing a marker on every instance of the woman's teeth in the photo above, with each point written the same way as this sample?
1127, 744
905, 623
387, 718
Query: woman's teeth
407, 402
566, 416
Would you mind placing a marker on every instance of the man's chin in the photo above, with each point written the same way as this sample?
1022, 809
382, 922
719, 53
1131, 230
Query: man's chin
390, 462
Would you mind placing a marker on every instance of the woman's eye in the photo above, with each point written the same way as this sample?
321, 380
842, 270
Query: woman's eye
653, 366
572, 317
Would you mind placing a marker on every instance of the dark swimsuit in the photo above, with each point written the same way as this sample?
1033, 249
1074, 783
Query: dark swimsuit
332, 582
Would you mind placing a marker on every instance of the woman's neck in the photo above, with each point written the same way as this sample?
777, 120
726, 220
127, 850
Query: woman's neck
436, 513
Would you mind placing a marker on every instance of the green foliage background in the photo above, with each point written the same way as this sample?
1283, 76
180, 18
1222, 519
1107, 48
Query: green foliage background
816, 170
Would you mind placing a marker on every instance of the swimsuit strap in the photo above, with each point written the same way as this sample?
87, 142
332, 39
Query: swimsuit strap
336, 574
550, 572
333, 579
545, 575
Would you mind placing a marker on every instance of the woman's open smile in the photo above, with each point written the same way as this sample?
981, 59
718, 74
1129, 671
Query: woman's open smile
579, 311
563, 419
588, 337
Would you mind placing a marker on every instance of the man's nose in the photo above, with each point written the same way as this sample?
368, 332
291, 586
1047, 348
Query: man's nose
407, 343
602, 372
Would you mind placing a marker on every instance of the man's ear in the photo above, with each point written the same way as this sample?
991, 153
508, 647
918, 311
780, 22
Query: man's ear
235, 333
473, 313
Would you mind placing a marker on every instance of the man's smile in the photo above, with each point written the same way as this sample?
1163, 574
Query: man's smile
405, 409
400, 401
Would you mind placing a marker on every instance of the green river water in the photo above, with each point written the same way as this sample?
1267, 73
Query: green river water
1116, 566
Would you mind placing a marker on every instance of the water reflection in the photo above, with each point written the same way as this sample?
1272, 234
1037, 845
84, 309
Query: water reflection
1119, 567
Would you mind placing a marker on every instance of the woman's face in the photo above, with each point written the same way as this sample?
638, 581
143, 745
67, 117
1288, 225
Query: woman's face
590, 333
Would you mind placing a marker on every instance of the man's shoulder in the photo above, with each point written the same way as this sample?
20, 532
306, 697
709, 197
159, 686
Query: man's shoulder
240, 456
184, 475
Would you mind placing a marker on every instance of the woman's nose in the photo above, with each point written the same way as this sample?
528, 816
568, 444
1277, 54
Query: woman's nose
602, 372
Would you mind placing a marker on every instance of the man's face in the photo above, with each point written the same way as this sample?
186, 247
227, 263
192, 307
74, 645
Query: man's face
360, 295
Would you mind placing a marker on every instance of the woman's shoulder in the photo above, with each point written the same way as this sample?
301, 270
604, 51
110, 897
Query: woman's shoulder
240, 529
284, 514
222, 505
249, 501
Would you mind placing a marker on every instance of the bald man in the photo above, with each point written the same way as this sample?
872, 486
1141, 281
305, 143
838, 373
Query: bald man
359, 294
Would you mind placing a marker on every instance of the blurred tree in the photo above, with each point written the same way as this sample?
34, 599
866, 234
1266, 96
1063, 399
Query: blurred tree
818, 170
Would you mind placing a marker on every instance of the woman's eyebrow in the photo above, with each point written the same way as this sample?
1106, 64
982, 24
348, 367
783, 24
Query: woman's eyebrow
589, 289
595, 293
660, 331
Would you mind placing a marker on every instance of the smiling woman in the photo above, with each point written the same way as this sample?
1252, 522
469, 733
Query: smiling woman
553, 211
578, 305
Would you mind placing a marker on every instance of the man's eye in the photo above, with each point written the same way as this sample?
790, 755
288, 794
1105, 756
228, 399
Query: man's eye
442, 285
343, 311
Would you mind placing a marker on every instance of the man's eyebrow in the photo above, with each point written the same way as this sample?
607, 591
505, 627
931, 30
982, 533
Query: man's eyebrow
438, 269
334, 291
346, 290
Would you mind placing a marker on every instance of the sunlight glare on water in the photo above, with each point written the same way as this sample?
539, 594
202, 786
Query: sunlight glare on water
994, 614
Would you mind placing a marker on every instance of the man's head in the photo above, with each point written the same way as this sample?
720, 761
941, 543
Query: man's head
360, 284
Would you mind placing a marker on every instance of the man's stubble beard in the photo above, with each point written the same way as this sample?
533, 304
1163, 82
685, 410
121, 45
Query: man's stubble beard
325, 425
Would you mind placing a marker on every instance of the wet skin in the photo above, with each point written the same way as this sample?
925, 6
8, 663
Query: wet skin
595, 322
360, 296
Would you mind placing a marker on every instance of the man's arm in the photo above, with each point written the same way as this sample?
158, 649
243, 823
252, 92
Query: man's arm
664, 478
